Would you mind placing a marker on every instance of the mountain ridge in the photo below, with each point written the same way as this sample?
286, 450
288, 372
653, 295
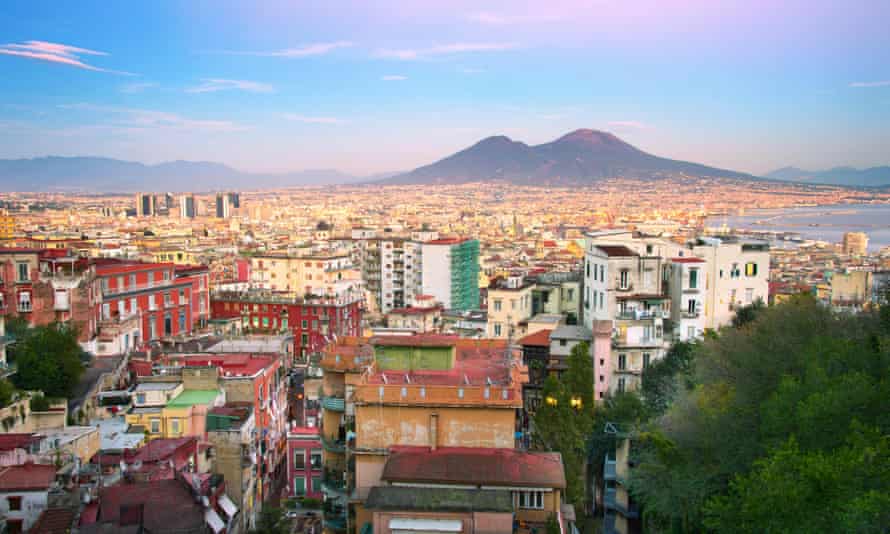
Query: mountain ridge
843, 175
578, 157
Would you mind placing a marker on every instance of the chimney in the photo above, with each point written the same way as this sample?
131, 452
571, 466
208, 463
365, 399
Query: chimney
434, 430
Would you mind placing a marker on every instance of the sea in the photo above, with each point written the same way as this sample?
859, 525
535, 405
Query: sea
821, 223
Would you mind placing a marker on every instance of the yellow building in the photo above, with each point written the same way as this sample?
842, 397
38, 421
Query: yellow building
183, 416
7, 226
176, 256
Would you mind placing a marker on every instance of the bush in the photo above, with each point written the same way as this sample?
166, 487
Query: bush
39, 403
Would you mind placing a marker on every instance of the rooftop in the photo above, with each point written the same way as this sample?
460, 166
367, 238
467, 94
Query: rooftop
10, 442
26, 477
572, 332
167, 505
474, 466
617, 251
230, 365
541, 338
191, 397
438, 499
53, 521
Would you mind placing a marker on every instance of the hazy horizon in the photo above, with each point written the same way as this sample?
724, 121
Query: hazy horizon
746, 86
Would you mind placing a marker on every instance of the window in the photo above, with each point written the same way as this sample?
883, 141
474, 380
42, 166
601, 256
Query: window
602, 273
133, 305
749, 295
304, 340
622, 362
132, 280
734, 273
646, 358
25, 301
166, 275
155, 426
174, 426
316, 483
140, 398
750, 269
601, 300
15, 504
693, 278
602, 378
623, 279
299, 458
497, 304
304, 324
512, 304
563, 342
151, 303
690, 306
182, 321
648, 250
570, 294
265, 322
497, 329
621, 385
22, 269
299, 485
530, 500
315, 459
690, 332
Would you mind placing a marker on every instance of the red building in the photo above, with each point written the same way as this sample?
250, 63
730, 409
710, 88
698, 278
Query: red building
313, 321
166, 301
305, 470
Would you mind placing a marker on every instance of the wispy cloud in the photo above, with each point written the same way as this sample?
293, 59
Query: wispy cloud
55, 53
138, 87
135, 119
499, 19
393, 78
407, 54
880, 83
315, 49
212, 85
630, 125
313, 120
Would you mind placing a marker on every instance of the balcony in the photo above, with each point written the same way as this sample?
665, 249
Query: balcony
333, 404
24, 307
334, 484
640, 315
335, 520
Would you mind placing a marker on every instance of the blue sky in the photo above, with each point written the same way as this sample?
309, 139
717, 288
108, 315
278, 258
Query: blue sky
267, 86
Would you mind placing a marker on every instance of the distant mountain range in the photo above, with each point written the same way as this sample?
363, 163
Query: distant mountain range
55, 173
848, 176
577, 158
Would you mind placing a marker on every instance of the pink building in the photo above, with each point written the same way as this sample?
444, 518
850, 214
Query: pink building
304, 465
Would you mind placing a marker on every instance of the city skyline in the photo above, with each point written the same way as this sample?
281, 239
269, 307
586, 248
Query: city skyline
362, 89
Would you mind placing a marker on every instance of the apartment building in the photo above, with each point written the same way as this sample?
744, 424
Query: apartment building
431, 392
737, 275
687, 290
451, 272
509, 307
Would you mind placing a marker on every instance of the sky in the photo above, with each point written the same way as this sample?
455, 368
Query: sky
369, 87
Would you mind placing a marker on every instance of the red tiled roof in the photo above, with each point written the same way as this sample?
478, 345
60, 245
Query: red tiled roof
10, 442
168, 505
238, 364
111, 269
140, 367
617, 251
447, 241
27, 477
541, 338
410, 310
687, 260
53, 521
476, 466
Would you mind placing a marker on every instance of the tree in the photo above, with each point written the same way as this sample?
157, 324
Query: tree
662, 378
39, 403
48, 360
788, 402
747, 314
7, 392
564, 420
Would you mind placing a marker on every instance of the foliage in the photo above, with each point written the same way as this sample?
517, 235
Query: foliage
788, 410
663, 378
563, 428
747, 314
7, 392
309, 502
48, 360
39, 403
271, 521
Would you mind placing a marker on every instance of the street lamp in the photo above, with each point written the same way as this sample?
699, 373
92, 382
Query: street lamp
552, 401
575, 402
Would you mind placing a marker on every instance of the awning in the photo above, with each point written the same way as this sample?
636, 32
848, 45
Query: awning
214, 521
426, 525
227, 505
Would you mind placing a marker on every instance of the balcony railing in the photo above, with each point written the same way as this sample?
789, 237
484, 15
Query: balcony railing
25, 307
333, 404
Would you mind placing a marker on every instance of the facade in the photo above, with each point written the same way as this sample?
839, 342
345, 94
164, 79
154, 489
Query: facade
687, 292
146, 205
231, 430
451, 272
509, 306
187, 207
305, 467
23, 494
738, 275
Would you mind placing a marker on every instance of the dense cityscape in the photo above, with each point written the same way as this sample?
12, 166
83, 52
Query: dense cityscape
223, 310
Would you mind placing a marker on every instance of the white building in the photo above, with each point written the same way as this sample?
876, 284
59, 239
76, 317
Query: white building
738, 275
687, 290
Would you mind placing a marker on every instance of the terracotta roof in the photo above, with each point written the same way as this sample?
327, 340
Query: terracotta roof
53, 521
617, 251
10, 442
414, 311
541, 338
27, 477
167, 505
476, 466
687, 260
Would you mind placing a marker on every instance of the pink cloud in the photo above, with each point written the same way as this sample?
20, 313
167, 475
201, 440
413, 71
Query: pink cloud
54, 53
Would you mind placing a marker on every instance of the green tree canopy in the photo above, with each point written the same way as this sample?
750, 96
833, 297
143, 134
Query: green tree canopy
48, 360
